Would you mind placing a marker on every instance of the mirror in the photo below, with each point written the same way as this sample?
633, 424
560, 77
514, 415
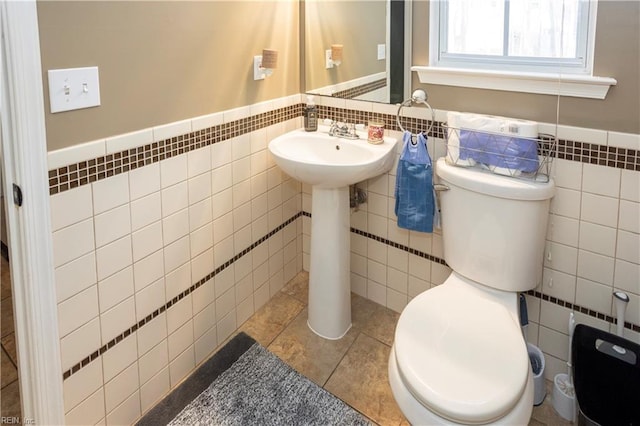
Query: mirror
372, 35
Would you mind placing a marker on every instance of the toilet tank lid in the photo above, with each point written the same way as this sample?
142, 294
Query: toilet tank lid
486, 182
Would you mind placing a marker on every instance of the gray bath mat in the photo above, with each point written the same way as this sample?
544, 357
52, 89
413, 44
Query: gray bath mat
245, 384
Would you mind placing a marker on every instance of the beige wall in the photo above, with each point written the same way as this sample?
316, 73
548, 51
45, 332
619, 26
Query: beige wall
358, 25
161, 62
617, 55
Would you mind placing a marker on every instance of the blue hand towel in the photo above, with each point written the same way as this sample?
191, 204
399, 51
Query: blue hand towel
415, 202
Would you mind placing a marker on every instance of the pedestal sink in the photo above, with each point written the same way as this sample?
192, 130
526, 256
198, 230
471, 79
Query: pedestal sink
330, 164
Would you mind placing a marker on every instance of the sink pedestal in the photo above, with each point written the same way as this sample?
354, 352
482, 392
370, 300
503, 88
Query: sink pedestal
329, 272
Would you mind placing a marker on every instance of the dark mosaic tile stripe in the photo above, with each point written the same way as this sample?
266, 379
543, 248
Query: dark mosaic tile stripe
582, 309
361, 90
85, 172
536, 294
109, 345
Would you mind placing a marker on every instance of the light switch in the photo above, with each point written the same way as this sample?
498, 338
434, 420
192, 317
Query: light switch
382, 51
73, 88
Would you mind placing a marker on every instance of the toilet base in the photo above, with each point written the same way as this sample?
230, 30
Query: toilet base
418, 414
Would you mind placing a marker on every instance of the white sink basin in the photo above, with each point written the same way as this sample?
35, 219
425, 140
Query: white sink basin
330, 162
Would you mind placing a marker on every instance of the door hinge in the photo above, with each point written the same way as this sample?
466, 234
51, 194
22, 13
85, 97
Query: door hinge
17, 195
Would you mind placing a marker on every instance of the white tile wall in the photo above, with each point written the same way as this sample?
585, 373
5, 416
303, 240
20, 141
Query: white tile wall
191, 213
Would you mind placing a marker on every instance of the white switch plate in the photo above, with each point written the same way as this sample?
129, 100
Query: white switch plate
328, 63
382, 51
258, 74
73, 88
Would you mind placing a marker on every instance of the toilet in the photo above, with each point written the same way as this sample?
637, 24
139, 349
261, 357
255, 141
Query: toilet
459, 356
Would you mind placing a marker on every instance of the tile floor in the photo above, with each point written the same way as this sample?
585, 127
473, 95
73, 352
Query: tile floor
9, 391
353, 368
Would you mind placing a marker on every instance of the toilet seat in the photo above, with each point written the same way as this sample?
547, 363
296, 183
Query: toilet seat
461, 353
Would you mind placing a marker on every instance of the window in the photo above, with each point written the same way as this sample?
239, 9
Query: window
532, 46
525, 35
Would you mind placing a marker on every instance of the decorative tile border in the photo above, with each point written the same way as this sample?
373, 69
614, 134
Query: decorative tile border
361, 90
85, 172
120, 337
536, 294
582, 309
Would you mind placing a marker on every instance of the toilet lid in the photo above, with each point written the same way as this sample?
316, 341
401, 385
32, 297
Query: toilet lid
462, 357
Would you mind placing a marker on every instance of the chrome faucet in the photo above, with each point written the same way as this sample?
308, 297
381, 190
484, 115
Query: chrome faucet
347, 131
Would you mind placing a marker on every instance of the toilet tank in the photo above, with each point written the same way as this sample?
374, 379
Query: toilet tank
494, 227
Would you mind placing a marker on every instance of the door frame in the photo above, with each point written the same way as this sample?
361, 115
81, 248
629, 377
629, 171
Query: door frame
24, 163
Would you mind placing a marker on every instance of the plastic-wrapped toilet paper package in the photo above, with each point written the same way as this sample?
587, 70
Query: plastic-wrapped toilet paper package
504, 145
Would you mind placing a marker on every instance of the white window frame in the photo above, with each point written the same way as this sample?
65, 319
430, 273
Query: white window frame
529, 75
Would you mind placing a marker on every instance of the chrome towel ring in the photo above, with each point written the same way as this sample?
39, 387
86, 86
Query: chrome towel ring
418, 97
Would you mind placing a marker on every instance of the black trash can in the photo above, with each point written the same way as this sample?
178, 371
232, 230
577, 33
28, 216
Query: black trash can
606, 375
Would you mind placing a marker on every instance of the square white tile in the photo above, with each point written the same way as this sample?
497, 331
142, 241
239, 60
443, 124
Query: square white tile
144, 180
146, 210
175, 226
111, 192
121, 387
181, 366
175, 198
201, 239
149, 299
73, 242
180, 340
200, 214
595, 267
154, 361
112, 225
179, 314
221, 153
151, 334
79, 344
199, 187
82, 384
177, 254
154, 389
178, 280
599, 209
601, 180
597, 238
148, 270
198, 161
72, 206
117, 320
75, 276
90, 411
146, 241
115, 288
77, 310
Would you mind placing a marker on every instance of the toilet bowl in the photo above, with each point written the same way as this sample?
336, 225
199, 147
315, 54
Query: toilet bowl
459, 356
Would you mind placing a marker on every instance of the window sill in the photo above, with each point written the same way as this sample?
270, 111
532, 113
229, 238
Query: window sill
580, 86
